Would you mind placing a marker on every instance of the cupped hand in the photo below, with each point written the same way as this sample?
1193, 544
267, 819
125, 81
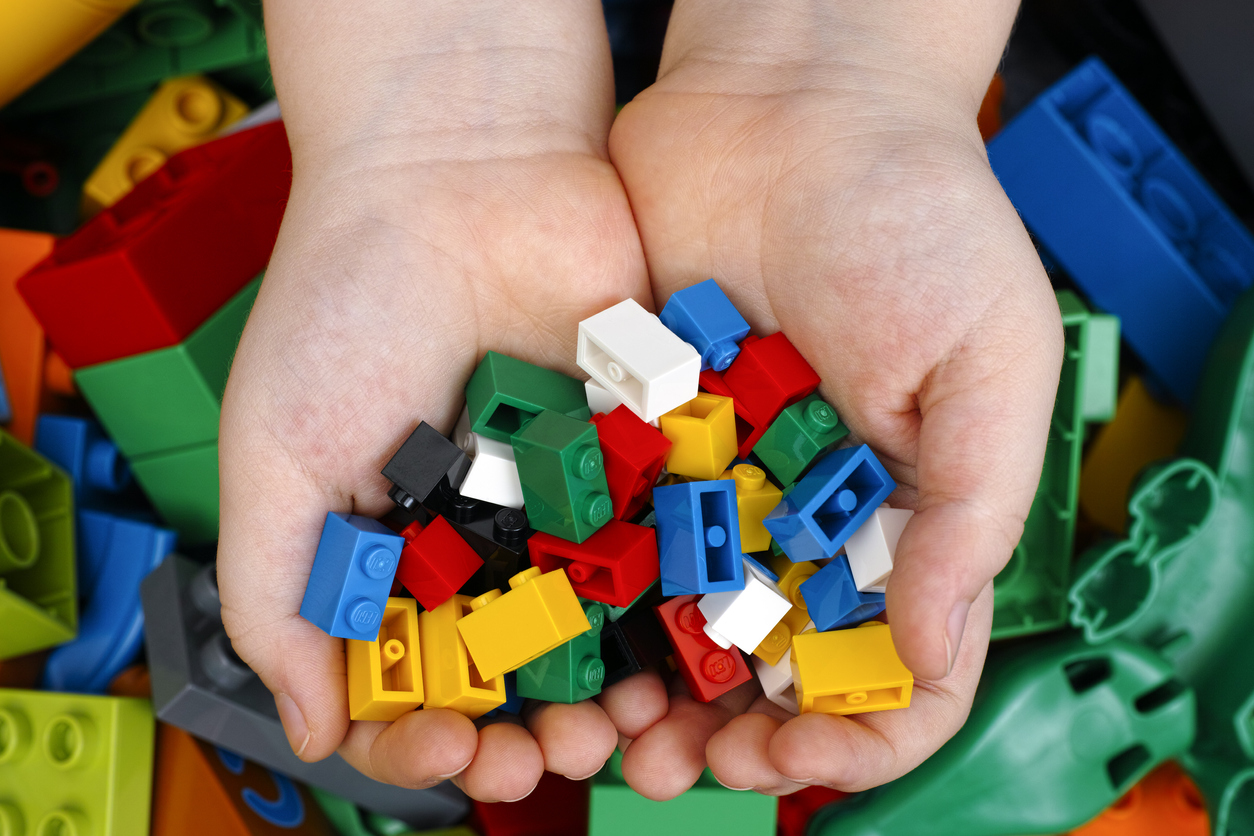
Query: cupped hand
843, 196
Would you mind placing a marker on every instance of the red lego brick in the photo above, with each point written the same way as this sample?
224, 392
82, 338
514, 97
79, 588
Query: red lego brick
557, 807
769, 375
795, 810
149, 270
748, 430
613, 566
435, 562
634, 454
709, 670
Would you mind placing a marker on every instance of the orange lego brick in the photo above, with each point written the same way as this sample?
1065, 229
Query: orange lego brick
385, 675
1164, 803
132, 682
22, 343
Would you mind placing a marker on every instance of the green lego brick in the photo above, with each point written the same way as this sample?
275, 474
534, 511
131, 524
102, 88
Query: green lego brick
570, 672
170, 398
797, 437
73, 765
504, 393
183, 487
38, 600
708, 809
1030, 594
563, 476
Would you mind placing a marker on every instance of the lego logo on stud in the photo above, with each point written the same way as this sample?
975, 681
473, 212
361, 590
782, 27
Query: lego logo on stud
596, 619
364, 617
587, 463
718, 666
378, 563
821, 417
690, 619
591, 673
597, 509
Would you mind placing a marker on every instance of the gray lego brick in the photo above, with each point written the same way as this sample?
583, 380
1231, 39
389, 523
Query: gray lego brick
199, 685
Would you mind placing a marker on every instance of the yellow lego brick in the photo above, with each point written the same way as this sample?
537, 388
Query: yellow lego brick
1143, 431
755, 498
182, 113
849, 671
791, 577
36, 36
776, 644
385, 675
703, 436
450, 678
505, 632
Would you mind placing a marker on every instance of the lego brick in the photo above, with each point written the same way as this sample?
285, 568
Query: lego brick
768, 375
21, 337
38, 601
1119, 207
1164, 803
163, 400
385, 674
415, 470
756, 497
702, 316
702, 433
134, 681
651, 596
748, 429
347, 819
506, 631
201, 686
351, 575
833, 600
182, 113
114, 556
183, 486
450, 677
631, 353
38, 35
777, 682
829, 503
870, 549
572, 671
849, 671
602, 400
71, 764
778, 641
746, 616
493, 473
145, 273
488, 528
634, 455
563, 476
503, 393
800, 434
791, 576
698, 532
615, 565
632, 643
513, 703
708, 670
497, 569
557, 806
98, 472
435, 562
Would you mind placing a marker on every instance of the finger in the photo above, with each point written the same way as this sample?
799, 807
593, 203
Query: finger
635, 704
507, 765
576, 740
739, 757
417, 751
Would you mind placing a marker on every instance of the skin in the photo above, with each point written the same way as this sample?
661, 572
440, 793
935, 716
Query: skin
457, 188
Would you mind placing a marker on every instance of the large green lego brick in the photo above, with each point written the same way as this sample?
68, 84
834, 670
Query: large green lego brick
504, 393
170, 398
1030, 594
708, 809
38, 600
572, 671
183, 487
797, 437
562, 472
73, 765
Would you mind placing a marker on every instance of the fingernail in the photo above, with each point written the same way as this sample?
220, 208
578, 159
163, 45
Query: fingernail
733, 789
521, 797
586, 777
437, 779
293, 723
953, 631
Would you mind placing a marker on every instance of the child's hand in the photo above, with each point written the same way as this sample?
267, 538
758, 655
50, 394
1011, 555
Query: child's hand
453, 199
822, 162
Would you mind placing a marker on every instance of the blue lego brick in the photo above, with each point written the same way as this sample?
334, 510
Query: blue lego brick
351, 577
760, 567
6, 410
829, 503
115, 555
1120, 209
833, 599
705, 318
693, 564
513, 703
79, 447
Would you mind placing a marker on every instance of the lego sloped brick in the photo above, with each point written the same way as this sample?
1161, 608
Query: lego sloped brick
744, 617
756, 497
415, 470
800, 434
708, 670
503, 393
435, 562
152, 268
562, 472
698, 533
385, 674
631, 353
182, 485
849, 671
21, 337
450, 677
572, 671
75, 764
768, 375
615, 565
832, 599
703, 436
634, 454
703, 317
871, 548
352, 573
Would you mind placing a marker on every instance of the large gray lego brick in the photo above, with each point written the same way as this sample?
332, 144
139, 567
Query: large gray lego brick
201, 686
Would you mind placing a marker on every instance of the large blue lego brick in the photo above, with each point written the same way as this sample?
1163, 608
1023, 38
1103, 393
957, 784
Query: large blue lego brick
351, 577
705, 318
79, 447
1120, 209
698, 533
829, 503
115, 555
833, 600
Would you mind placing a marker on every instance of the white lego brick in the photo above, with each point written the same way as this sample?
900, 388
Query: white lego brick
603, 400
871, 548
493, 474
744, 617
629, 352
777, 681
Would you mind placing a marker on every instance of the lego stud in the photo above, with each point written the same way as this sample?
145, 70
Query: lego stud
587, 463
142, 162
63, 822
364, 617
840, 504
11, 821
509, 525
222, 665
1113, 145
528, 574
199, 109
820, 417
491, 595
595, 614
718, 666
721, 355
203, 592
715, 536
748, 477
378, 563
19, 533
581, 572
690, 619
597, 509
14, 736
69, 740
460, 508
393, 651
776, 640
590, 673
106, 469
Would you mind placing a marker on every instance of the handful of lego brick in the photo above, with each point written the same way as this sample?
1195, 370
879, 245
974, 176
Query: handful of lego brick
763, 538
